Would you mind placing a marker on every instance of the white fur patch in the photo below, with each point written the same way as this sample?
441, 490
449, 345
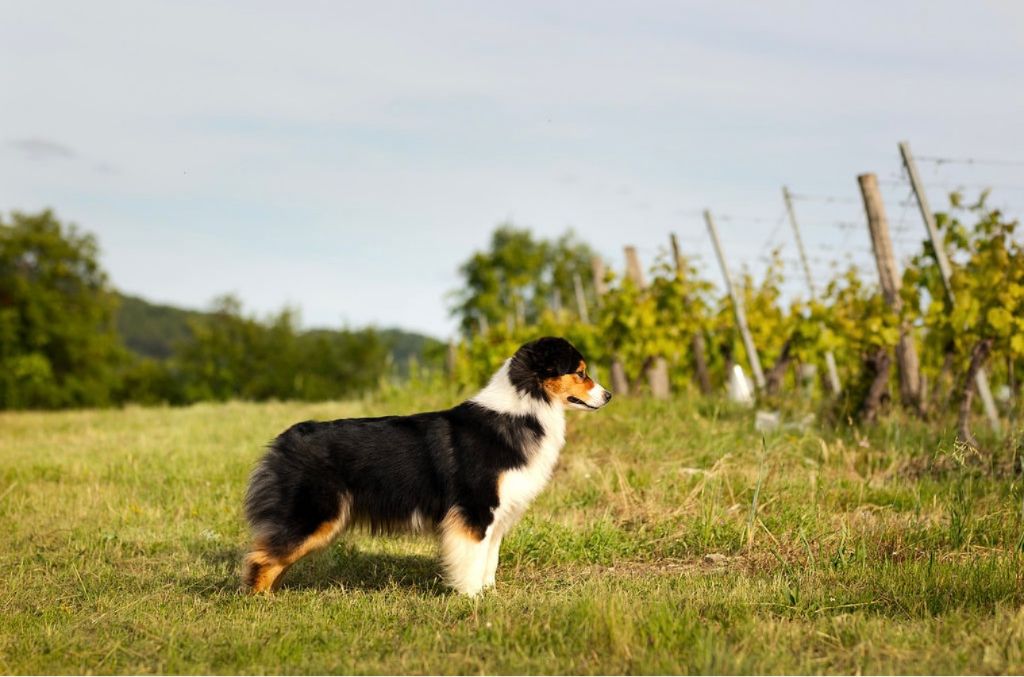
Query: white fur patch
518, 487
464, 557
418, 523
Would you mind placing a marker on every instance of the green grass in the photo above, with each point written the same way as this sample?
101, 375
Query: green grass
870, 552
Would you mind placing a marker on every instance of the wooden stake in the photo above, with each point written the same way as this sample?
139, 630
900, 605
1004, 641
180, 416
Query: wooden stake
581, 299
677, 256
633, 269
597, 268
620, 384
737, 305
657, 369
830, 359
946, 271
889, 279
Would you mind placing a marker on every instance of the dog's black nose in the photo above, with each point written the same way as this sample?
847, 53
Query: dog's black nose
607, 396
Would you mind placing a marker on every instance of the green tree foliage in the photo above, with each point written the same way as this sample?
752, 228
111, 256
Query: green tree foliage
516, 279
233, 355
58, 344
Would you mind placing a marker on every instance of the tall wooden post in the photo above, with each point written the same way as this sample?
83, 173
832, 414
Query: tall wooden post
657, 367
620, 384
830, 359
737, 305
946, 271
581, 299
889, 279
633, 269
677, 255
597, 269
697, 344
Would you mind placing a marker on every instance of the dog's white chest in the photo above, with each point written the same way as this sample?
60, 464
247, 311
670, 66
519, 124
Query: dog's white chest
517, 488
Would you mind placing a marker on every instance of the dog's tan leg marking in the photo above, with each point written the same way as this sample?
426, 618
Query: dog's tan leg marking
264, 571
463, 554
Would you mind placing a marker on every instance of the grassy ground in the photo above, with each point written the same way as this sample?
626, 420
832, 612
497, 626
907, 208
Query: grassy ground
672, 539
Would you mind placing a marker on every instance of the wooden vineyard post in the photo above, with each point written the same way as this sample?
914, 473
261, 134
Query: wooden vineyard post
888, 277
946, 271
657, 366
633, 269
737, 305
697, 344
830, 359
581, 299
620, 384
597, 268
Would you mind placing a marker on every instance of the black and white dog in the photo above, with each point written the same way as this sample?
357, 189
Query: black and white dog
467, 473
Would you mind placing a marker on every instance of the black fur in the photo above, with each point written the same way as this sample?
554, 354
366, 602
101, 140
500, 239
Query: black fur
541, 359
395, 465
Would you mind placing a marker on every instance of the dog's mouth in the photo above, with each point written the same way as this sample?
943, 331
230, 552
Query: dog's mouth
576, 400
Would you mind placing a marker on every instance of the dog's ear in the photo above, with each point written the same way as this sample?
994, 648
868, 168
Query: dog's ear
556, 356
523, 371
547, 357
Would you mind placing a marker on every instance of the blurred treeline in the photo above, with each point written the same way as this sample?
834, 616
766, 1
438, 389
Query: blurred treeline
67, 339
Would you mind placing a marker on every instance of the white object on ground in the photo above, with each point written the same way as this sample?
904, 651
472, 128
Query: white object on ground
741, 390
766, 420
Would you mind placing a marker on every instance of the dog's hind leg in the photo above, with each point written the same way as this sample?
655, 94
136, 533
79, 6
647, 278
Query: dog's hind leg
263, 570
266, 564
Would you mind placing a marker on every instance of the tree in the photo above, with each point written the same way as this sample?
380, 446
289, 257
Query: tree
517, 278
233, 355
58, 343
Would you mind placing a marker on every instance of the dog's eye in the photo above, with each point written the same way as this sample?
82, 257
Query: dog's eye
582, 374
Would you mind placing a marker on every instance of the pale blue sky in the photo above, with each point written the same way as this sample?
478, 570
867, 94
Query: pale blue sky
346, 157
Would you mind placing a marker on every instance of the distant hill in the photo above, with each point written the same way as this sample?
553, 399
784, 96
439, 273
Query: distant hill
153, 330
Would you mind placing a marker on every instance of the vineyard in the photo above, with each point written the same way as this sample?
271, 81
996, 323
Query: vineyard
925, 340
870, 521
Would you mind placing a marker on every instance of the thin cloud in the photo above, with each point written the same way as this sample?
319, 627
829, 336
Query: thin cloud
42, 149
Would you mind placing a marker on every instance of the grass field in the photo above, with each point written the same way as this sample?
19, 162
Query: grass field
672, 539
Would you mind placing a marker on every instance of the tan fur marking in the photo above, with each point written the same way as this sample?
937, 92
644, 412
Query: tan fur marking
570, 385
454, 523
264, 572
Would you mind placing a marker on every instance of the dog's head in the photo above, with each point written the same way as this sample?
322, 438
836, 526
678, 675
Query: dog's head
552, 369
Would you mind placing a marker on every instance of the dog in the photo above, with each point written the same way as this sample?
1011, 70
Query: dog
467, 473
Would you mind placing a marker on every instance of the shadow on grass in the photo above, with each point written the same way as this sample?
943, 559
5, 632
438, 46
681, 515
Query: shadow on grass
345, 566
340, 566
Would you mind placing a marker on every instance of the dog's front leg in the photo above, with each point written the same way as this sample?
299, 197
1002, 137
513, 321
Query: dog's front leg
464, 555
491, 570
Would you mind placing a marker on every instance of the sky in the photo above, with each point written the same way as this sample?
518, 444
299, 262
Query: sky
344, 158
